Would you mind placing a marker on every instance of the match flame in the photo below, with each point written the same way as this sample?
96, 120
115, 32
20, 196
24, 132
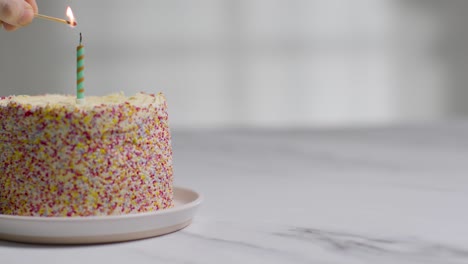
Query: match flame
71, 17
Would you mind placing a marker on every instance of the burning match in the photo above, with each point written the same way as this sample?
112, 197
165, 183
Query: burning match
56, 19
70, 22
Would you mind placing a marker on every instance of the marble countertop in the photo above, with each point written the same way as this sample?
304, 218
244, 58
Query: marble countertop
380, 195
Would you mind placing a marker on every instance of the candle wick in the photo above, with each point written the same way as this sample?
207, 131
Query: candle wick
81, 38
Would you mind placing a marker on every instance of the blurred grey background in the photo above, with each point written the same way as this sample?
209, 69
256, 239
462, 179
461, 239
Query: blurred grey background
267, 63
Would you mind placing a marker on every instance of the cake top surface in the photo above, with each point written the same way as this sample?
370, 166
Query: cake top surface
57, 100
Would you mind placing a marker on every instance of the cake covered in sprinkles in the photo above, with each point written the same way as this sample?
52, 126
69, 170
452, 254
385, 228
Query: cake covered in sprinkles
109, 156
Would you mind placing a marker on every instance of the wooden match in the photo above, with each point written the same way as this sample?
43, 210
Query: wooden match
71, 23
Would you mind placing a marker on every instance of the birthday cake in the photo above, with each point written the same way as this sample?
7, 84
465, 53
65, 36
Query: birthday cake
111, 155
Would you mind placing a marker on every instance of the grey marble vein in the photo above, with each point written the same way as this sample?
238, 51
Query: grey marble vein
344, 242
258, 248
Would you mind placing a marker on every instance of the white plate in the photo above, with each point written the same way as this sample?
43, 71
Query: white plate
102, 229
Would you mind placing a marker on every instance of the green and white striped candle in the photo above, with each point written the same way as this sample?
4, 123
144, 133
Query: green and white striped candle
80, 73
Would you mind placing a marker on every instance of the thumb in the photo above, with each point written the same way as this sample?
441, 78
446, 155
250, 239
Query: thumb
16, 12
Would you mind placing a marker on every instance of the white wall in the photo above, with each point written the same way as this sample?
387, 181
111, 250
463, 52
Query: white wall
244, 62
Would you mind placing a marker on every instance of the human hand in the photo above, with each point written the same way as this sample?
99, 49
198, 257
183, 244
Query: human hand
16, 13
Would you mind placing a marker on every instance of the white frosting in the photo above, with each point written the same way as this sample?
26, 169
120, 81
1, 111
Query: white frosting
57, 100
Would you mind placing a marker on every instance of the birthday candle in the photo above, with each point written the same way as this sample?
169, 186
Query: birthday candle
80, 72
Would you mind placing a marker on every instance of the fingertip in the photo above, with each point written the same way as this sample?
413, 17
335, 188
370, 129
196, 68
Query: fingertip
33, 3
9, 27
27, 16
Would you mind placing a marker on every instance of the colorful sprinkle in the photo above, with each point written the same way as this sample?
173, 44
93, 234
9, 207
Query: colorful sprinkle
109, 159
